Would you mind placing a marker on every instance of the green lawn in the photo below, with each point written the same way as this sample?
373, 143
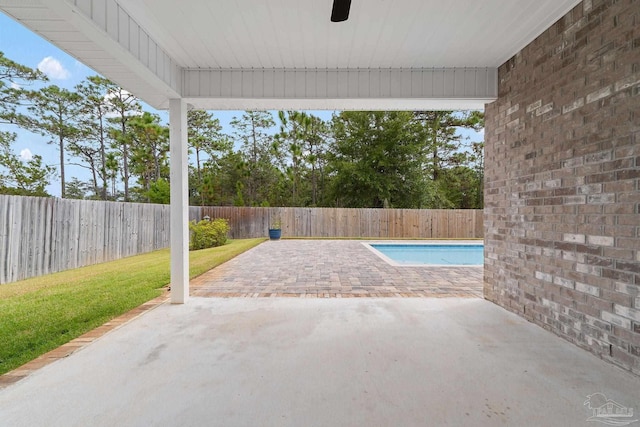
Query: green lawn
42, 313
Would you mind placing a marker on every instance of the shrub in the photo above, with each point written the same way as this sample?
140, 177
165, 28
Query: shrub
208, 234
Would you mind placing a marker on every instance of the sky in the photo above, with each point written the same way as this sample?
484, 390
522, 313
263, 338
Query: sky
27, 48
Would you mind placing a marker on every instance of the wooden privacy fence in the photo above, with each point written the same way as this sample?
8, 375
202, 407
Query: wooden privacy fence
343, 222
46, 235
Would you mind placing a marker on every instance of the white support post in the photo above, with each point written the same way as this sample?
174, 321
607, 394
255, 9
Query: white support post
179, 202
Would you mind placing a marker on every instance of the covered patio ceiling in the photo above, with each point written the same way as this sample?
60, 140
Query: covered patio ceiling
286, 54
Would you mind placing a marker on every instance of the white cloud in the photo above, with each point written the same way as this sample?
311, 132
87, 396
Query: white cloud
26, 154
112, 113
108, 96
53, 69
15, 86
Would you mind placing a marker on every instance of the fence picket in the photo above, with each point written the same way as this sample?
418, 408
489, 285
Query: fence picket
46, 235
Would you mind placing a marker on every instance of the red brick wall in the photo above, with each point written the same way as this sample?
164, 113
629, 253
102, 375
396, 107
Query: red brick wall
562, 197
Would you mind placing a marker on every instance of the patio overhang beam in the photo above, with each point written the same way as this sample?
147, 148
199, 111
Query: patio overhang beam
343, 89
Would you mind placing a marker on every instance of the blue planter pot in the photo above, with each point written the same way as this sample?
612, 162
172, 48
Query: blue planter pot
275, 233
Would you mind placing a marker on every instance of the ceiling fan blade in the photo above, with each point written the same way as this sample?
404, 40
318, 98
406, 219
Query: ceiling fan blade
340, 11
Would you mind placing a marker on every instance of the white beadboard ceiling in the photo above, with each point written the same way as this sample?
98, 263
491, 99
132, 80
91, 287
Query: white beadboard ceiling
287, 53
379, 33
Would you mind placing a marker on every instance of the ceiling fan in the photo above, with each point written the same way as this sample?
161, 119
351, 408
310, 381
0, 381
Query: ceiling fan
340, 11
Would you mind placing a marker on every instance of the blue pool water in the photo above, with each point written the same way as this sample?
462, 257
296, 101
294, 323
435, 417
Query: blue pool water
433, 254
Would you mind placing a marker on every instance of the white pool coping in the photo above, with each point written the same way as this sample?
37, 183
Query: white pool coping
422, 243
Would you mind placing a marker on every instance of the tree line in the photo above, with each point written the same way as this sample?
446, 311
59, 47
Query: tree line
374, 159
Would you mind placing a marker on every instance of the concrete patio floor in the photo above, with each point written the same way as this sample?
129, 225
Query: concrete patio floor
320, 362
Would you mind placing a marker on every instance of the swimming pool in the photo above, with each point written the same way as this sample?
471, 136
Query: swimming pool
430, 254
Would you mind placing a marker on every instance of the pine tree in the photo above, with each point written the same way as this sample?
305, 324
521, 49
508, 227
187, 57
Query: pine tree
22, 177
54, 113
253, 130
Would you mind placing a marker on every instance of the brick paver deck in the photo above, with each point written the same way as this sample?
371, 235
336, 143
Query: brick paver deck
329, 269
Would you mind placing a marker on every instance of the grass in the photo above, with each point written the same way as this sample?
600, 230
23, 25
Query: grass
42, 313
